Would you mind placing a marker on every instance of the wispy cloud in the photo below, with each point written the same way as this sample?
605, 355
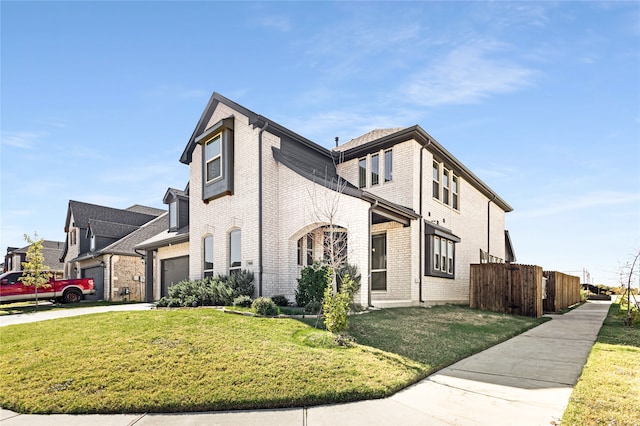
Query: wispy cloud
24, 140
467, 74
277, 22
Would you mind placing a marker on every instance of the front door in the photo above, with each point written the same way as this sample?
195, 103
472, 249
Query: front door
379, 262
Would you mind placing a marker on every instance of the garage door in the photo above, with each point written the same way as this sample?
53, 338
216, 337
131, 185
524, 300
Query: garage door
97, 274
174, 270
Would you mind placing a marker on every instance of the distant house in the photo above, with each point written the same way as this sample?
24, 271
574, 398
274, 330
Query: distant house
167, 253
101, 244
51, 250
260, 197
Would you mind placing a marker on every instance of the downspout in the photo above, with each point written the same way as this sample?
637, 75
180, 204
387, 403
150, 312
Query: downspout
260, 254
421, 236
373, 206
489, 226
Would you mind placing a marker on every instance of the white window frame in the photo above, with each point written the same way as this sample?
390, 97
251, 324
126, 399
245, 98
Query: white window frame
207, 272
388, 165
435, 175
217, 138
233, 268
375, 169
362, 172
455, 191
446, 182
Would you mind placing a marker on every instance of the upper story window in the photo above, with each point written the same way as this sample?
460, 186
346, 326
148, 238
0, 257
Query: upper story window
217, 159
213, 158
207, 249
173, 215
445, 186
454, 192
362, 173
235, 259
375, 169
72, 237
92, 242
388, 165
436, 180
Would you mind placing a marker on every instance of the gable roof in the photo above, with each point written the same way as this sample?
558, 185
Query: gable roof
256, 120
102, 228
127, 245
367, 137
137, 208
83, 212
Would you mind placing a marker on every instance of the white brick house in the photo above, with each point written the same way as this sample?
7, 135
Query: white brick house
414, 217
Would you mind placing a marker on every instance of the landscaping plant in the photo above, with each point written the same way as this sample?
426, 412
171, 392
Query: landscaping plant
311, 284
336, 305
264, 306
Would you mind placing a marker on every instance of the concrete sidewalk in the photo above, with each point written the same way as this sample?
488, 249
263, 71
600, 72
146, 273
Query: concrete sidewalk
526, 380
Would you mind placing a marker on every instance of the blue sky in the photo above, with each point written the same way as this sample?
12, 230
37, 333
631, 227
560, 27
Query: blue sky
541, 100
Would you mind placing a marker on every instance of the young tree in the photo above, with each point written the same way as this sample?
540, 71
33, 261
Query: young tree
629, 272
333, 239
35, 272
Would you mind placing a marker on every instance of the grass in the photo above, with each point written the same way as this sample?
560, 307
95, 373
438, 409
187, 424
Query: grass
608, 391
43, 306
203, 359
438, 336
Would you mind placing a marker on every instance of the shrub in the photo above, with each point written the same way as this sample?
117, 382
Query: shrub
162, 303
311, 284
264, 306
243, 301
348, 277
313, 307
241, 283
336, 306
206, 292
280, 300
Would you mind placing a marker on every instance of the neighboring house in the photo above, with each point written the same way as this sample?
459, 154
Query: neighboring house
101, 244
404, 210
51, 250
167, 253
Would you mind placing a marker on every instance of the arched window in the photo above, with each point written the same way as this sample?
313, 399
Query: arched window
235, 258
207, 256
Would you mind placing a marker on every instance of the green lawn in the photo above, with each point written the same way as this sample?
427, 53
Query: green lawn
204, 359
608, 391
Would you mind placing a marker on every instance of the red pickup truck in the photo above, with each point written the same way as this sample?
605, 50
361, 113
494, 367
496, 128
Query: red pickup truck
67, 291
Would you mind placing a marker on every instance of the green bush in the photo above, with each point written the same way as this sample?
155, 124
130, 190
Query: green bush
311, 284
264, 306
280, 300
242, 301
336, 306
205, 292
240, 282
348, 277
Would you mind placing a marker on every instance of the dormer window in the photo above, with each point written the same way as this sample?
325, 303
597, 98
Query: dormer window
92, 242
173, 215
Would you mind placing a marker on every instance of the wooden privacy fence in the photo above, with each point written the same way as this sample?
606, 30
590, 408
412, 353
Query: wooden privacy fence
562, 291
506, 287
